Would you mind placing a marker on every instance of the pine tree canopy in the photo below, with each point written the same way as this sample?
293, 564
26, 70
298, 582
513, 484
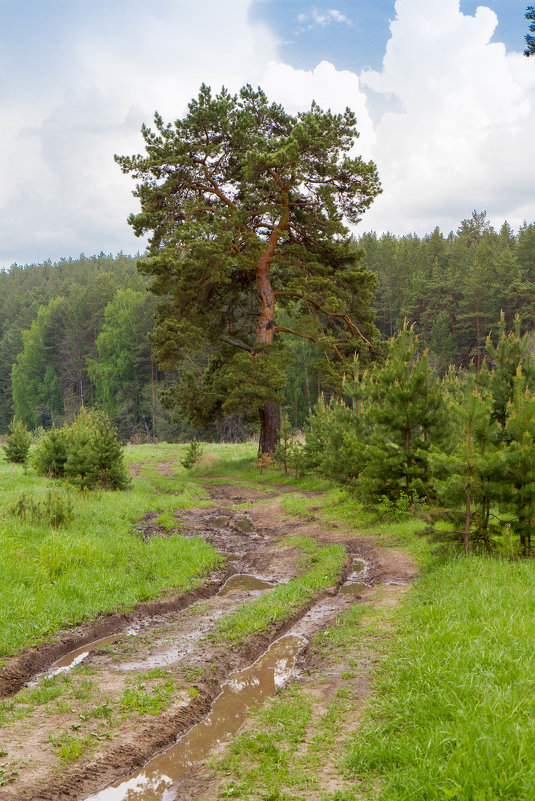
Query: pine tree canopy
530, 40
247, 207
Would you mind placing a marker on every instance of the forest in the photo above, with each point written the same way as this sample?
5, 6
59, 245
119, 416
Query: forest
77, 332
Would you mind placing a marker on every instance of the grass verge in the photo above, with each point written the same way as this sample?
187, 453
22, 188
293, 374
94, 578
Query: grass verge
455, 701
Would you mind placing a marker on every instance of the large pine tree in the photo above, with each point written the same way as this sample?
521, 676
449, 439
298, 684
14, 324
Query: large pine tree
246, 206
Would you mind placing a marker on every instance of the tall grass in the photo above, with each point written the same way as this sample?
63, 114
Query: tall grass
453, 717
50, 577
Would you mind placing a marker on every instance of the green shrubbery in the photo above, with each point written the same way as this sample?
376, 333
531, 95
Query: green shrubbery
50, 453
87, 453
192, 455
289, 453
404, 435
18, 442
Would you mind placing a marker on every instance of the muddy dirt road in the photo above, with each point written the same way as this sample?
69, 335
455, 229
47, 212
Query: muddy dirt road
84, 713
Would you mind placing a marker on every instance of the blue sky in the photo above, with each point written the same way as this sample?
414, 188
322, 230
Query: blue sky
361, 42
445, 103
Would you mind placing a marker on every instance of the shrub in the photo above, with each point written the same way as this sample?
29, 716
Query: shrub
335, 441
192, 455
50, 454
18, 442
94, 456
289, 452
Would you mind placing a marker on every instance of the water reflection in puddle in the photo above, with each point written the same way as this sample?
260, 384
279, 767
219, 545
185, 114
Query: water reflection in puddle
354, 584
242, 581
353, 588
244, 690
74, 658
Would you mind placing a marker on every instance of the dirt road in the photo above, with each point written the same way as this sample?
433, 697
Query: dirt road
157, 670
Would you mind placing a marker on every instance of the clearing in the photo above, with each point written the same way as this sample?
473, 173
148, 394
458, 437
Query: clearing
301, 601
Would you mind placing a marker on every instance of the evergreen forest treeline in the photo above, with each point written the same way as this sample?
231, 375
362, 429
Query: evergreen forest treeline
453, 288
76, 332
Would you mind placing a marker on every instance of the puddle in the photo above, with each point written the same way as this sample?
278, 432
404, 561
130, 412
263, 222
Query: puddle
244, 524
244, 690
74, 658
354, 584
353, 588
242, 581
219, 521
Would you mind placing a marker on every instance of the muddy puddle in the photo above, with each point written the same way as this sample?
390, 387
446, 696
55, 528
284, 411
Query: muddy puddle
245, 583
354, 583
244, 690
75, 657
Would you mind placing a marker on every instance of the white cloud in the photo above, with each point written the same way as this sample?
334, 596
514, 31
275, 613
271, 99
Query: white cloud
61, 192
323, 18
461, 136
457, 134
330, 88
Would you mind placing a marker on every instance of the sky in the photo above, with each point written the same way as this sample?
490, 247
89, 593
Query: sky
444, 98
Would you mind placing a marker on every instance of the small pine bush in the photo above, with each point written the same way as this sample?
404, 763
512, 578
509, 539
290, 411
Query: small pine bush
109, 468
18, 442
335, 442
94, 456
50, 454
192, 455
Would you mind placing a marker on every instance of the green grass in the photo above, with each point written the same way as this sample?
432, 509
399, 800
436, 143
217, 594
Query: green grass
264, 759
453, 716
298, 505
70, 748
62, 689
51, 578
142, 700
324, 565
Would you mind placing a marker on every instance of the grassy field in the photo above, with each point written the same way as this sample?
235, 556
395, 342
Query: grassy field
95, 560
455, 703
451, 716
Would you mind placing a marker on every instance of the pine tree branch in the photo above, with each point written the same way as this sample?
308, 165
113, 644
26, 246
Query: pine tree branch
351, 325
287, 330
237, 344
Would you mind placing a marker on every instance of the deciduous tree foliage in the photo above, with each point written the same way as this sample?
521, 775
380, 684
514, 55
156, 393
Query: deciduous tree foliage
246, 206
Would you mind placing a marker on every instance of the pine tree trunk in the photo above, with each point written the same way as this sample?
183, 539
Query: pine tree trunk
468, 522
270, 415
485, 524
270, 423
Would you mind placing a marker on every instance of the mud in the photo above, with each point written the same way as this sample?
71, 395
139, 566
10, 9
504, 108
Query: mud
76, 657
19, 670
244, 690
177, 634
242, 581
